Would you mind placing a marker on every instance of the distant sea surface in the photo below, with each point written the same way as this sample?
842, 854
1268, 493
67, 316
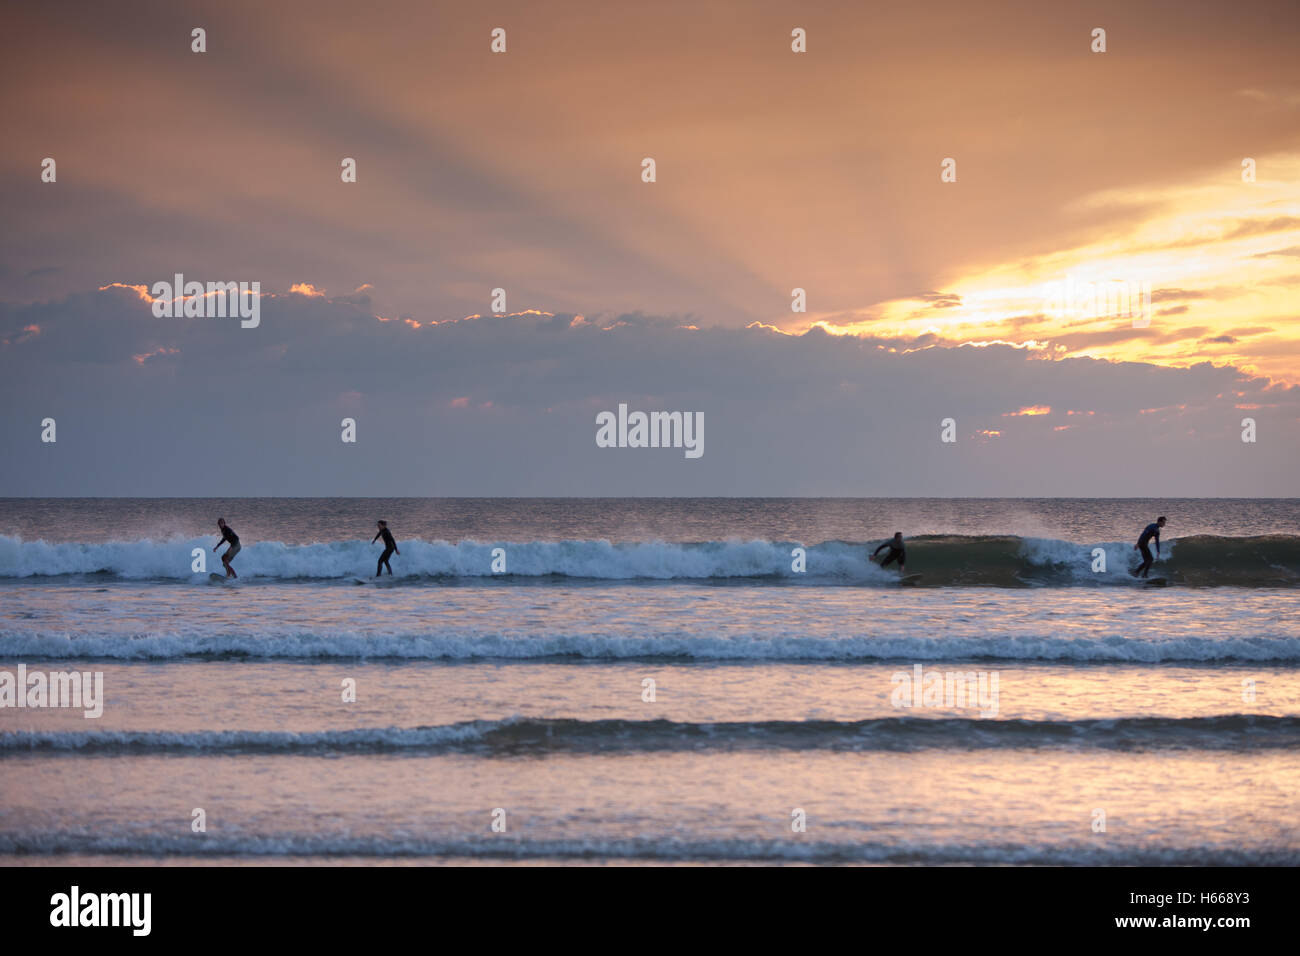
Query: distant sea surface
509, 663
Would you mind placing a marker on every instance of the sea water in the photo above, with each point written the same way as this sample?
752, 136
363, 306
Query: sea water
646, 680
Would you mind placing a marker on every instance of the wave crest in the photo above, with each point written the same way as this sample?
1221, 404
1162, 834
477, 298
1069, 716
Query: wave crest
528, 735
982, 560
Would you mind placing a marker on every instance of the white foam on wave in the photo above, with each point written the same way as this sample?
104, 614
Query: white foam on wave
361, 738
512, 846
1231, 732
648, 560
1078, 559
452, 645
149, 560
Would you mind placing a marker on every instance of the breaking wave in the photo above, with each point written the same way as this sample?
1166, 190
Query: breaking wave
314, 846
685, 646
523, 736
983, 560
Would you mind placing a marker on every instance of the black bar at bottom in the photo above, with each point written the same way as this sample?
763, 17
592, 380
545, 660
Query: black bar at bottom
333, 905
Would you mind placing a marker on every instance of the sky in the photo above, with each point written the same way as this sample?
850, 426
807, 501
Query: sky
1166, 168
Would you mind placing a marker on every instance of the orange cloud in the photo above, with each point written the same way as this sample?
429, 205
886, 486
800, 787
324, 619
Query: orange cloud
29, 332
141, 290
145, 356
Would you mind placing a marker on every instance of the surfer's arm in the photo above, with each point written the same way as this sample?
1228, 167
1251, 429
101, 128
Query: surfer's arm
879, 549
374, 539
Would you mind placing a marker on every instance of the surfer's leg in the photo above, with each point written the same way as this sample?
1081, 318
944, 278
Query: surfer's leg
227, 558
1147, 561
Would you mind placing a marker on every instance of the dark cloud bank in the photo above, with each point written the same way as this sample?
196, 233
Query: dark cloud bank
507, 405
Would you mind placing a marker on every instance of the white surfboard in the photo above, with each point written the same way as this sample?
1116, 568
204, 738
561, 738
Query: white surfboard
909, 579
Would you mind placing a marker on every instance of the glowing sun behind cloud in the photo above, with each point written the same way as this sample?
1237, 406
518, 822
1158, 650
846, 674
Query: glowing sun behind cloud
1219, 258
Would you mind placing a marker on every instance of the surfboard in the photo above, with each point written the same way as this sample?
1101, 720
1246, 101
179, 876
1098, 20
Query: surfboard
1154, 582
360, 581
909, 579
218, 579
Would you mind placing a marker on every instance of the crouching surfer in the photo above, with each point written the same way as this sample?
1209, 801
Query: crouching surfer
896, 552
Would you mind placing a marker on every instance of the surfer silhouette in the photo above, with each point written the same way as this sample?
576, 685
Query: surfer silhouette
228, 536
896, 551
1150, 531
390, 548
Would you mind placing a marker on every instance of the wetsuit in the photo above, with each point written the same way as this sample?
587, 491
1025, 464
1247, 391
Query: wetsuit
389, 547
1150, 531
896, 553
228, 535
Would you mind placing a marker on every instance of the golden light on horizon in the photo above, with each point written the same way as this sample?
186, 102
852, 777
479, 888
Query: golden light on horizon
1209, 274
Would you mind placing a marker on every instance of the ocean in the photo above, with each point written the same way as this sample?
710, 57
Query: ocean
653, 681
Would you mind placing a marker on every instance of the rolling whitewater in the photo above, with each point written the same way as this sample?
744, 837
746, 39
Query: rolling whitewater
1174, 709
948, 561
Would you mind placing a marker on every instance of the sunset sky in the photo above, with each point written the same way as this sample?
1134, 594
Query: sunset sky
775, 170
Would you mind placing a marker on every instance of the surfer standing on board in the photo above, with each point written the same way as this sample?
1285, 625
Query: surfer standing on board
1150, 531
390, 548
896, 551
228, 535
